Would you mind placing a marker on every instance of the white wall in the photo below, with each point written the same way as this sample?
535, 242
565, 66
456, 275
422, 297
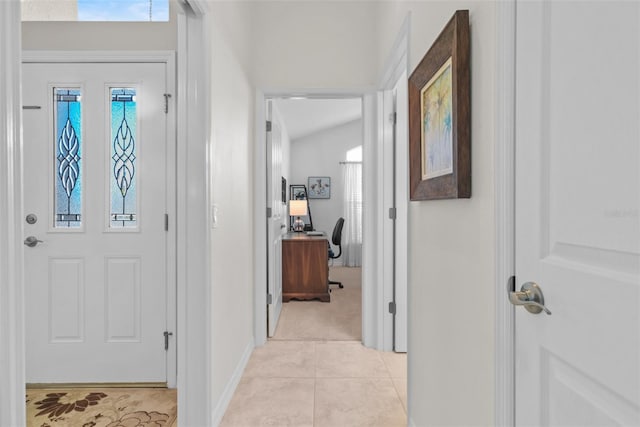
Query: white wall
49, 10
320, 154
314, 44
451, 243
231, 189
101, 35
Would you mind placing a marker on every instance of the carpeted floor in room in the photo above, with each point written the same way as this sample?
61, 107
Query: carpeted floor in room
338, 320
101, 407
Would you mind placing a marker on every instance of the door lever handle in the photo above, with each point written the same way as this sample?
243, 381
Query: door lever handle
32, 241
530, 296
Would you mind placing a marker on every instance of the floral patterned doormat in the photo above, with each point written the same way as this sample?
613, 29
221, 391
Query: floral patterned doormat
102, 407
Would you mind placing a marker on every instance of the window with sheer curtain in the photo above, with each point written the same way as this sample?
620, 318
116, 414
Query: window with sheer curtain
352, 232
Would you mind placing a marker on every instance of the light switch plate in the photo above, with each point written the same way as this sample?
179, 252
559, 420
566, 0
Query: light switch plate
214, 216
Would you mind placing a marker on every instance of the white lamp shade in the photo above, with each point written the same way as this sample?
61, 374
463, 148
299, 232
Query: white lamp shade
297, 207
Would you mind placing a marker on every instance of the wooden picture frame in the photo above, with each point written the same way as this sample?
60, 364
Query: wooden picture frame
440, 116
283, 190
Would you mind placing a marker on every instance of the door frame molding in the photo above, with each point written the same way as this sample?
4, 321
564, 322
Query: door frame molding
12, 388
194, 234
369, 286
132, 57
504, 177
397, 64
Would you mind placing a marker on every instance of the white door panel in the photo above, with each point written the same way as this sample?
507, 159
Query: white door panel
96, 287
577, 212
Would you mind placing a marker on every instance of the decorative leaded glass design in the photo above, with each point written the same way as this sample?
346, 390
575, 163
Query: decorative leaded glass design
124, 201
68, 180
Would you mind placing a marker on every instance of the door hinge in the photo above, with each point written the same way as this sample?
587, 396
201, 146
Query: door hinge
166, 222
511, 284
392, 213
392, 307
269, 125
166, 102
269, 212
393, 117
269, 299
166, 334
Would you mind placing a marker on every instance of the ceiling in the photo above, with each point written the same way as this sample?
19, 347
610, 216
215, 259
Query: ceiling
303, 117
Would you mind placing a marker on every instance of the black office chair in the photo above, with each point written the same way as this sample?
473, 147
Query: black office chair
336, 239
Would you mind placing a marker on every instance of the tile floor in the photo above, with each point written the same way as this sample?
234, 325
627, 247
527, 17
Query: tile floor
320, 384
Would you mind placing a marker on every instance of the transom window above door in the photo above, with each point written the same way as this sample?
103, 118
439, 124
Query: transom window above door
96, 10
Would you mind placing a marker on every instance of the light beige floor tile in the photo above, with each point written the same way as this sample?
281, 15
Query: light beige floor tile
271, 402
357, 402
285, 359
348, 360
396, 363
401, 387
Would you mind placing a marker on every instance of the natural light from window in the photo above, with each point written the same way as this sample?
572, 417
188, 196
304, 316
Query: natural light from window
96, 10
355, 154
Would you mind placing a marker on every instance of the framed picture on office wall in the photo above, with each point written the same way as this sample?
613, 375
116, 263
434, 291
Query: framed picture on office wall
284, 190
440, 116
319, 187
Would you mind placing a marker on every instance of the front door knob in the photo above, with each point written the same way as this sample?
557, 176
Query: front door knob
32, 241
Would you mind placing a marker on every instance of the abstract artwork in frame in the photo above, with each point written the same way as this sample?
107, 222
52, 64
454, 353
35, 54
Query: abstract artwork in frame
319, 187
440, 116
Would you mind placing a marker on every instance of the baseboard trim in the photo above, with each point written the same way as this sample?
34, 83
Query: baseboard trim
227, 394
30, 386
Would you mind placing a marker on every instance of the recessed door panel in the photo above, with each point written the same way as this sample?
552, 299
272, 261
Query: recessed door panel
66, 300
123, 299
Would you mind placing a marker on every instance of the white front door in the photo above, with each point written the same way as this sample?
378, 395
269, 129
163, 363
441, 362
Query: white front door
95, 162
578, 212
275, 221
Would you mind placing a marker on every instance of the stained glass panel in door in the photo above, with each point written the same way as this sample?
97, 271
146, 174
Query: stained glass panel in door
68, 158
124, 197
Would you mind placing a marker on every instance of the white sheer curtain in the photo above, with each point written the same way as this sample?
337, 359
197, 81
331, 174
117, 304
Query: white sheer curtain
352, 231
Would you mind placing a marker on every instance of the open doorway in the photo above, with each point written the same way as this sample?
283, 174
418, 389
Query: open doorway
316, 144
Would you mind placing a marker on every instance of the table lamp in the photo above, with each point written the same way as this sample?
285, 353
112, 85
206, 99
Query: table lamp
298, 208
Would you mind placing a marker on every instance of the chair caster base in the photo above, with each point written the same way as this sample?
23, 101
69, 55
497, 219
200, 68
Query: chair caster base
333, 282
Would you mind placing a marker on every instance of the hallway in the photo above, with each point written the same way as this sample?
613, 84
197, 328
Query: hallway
315, 372
320, 384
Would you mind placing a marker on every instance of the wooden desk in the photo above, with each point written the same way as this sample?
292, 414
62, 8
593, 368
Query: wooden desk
305, 267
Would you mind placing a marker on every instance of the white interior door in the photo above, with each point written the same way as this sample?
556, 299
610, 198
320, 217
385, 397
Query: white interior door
577, 212
95, 184
276, 220
394, 152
